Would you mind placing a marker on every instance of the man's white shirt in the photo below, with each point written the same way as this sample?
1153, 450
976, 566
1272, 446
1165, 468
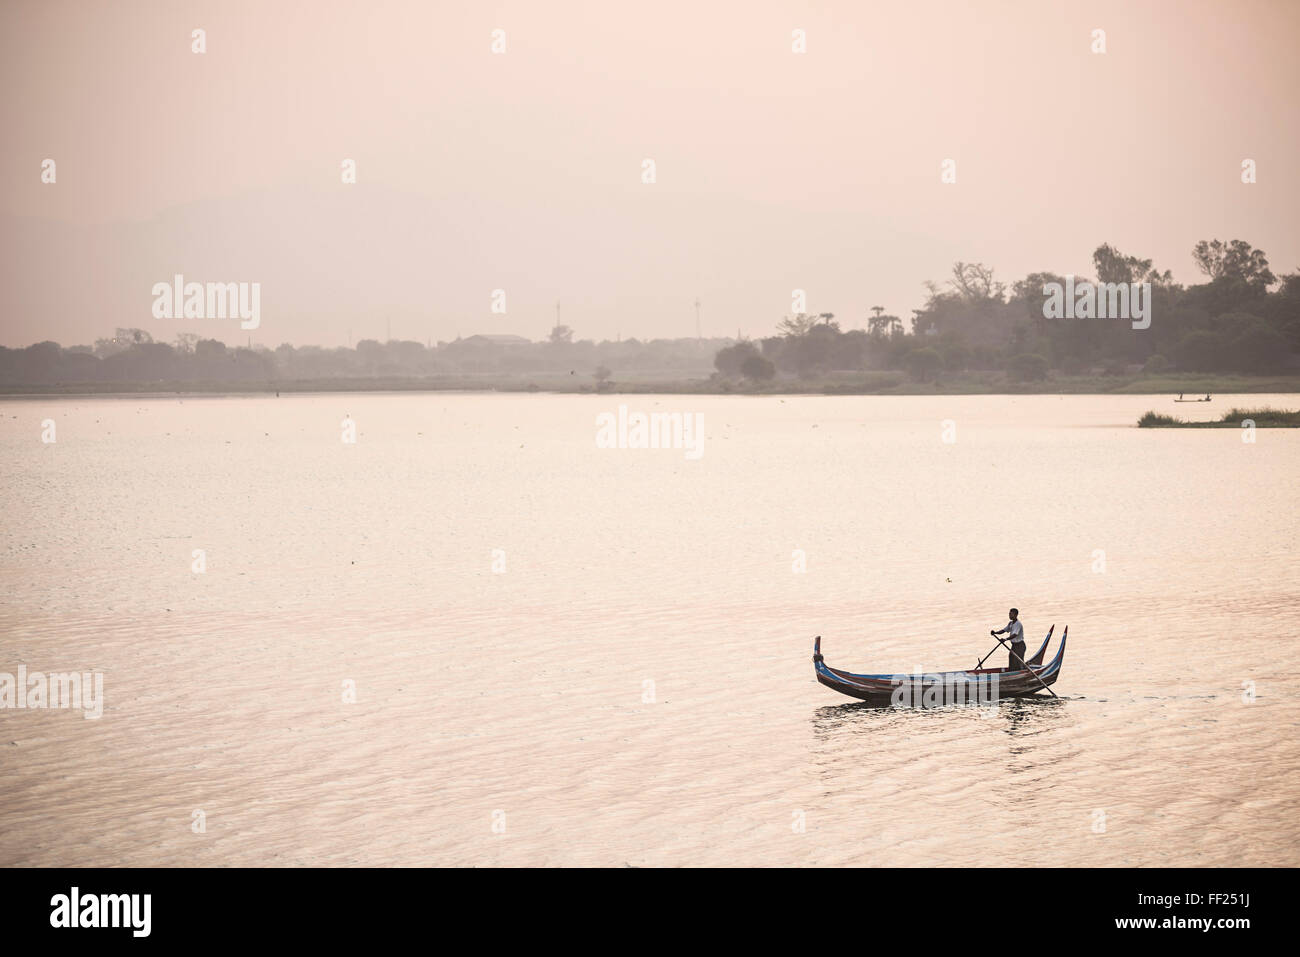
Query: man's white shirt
1015, 631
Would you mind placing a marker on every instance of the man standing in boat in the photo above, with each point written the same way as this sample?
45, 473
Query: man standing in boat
1016, 632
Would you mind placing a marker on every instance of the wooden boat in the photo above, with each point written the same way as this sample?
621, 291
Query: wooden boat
981, 686
1194, 400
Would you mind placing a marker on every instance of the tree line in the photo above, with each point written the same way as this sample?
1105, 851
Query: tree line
1241, 319
132, 357
1232, 322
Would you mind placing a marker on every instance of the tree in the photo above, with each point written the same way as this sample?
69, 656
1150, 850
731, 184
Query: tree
924, 364
881, 325
123, 338
210, 349
1283, 309
132, 336
802, 324
758, 368
1199, 351
42, 358
1252, 344
602, 373
107, 347
1113, 266
974, 282
372, 353
730, 360
821, 350
953, 352
1029, 291
1027, 368
1236, 260
971, 301
561, 335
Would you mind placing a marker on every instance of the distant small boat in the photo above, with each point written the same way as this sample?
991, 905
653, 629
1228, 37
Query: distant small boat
982, 685
1206, 399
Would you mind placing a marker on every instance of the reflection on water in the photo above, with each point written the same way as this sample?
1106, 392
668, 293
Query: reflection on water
858, 716
906, 766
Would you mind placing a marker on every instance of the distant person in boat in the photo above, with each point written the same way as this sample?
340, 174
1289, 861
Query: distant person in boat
1016, 632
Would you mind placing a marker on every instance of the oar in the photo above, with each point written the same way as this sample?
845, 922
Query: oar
986, 657
1027, 668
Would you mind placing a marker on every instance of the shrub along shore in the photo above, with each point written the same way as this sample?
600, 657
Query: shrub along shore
1232, 419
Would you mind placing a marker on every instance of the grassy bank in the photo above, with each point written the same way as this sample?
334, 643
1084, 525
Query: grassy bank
1232, 419
844, 383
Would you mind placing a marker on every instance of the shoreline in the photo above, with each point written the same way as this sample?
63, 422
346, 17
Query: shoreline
875, 383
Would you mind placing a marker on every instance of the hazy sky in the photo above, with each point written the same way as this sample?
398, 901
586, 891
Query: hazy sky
522, 171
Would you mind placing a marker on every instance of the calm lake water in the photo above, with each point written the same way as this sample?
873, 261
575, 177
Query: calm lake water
635, 686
